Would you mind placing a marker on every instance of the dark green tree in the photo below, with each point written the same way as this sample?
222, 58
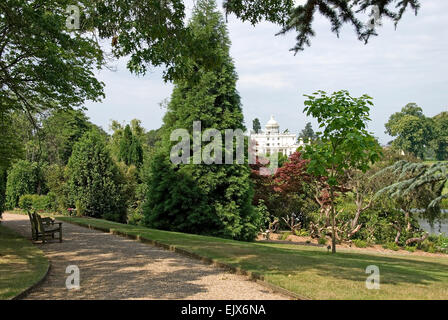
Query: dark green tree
94, 181
24, 177
131, 151
256, 125
413, 131
172, 192
60, 131
307, 134
213, 100
440, 142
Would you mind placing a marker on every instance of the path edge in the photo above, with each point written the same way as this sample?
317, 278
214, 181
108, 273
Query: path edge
253, 276
25, 292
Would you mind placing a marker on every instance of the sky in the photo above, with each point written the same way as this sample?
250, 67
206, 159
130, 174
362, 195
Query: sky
409, 64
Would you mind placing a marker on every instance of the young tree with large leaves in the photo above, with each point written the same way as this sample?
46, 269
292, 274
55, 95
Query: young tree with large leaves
344, 143
225, 189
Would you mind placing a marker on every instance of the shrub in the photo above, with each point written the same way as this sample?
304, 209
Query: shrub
285, 235
322, 240
24, 177
37, 202
360, 243
94, 182
26, 202
80, 209
410, 249
135, 217
56, 182
391, 246
440, 243
302, 233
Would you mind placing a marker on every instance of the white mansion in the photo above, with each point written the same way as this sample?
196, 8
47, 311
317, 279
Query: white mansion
271, 140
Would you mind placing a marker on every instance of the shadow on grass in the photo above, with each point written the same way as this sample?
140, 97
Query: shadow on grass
277, 259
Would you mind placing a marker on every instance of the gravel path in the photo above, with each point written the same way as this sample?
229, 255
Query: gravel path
113, 267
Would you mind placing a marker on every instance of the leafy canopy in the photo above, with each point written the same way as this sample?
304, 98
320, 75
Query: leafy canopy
412, 129
345, 142
299, 17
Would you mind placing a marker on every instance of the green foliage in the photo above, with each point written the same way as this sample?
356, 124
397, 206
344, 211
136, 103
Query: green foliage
322, 240
440, 141
298, 17
38, 202
256, 126
307, 134
56, 181
285, 236
44, 65
131, 151
209, 199
436, 243
175, 202
410, 249
94, 181
391, 246
10, 145
24, 177
60, 131
135, 217
413, 130
3, 175
345, 144
360, 243
26, 202
417, 183
302, 233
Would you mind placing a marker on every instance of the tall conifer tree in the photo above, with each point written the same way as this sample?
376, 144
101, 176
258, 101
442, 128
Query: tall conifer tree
223, 192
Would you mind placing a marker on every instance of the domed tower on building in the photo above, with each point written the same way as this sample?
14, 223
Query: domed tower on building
271, 140
272, 127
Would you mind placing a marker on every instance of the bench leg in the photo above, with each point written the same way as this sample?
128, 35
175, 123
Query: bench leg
60, 235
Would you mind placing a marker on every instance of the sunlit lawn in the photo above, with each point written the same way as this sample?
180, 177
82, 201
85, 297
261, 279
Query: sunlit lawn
21, 263
311, 271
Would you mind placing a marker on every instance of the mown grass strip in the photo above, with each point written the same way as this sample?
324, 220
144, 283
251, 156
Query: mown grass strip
22, 265
304, 270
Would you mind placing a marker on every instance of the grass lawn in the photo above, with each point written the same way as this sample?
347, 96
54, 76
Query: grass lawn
310, 271
21, 263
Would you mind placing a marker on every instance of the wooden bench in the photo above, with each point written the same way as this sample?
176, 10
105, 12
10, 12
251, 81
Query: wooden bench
44, 227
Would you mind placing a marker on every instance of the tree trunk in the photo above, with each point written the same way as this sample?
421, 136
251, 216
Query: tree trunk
333, 222
397, 238
413, 240
408, 221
